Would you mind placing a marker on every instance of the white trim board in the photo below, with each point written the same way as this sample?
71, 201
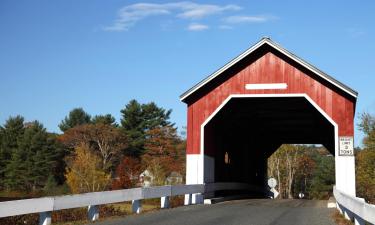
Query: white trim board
201, 178
285, 52
266, 86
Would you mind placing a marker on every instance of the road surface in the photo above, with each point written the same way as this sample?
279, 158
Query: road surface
249, 212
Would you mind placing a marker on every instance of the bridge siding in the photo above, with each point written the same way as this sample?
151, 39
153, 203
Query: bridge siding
270, 68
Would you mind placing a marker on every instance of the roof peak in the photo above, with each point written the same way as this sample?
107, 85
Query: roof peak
285, 52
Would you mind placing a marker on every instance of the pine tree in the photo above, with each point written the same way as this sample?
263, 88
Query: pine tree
10, 135
76, 117
33, 156
107, 119
132, 126
137, 119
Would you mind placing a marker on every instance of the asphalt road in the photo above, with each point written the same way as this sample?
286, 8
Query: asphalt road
249, 212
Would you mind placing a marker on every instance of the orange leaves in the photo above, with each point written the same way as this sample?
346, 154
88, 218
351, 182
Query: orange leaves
164, 145
127, 173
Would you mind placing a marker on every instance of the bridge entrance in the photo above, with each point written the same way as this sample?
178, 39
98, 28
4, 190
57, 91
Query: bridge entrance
266, 97
247, 129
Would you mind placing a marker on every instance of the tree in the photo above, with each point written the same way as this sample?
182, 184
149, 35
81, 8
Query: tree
323, 178
9, 136
365, 174
106, 140
84, 173
306, 166
285, 163
127, 173
365, 160
367, 126
33, 158
137, 119
105, 119
162, 145
76, 117
155, 116
131, 124
158, 172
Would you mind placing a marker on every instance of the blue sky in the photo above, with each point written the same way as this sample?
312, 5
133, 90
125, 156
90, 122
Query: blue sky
57, 55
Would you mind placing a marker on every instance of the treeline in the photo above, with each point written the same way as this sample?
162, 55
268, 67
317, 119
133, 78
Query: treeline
303, 169
311, 170
93, 153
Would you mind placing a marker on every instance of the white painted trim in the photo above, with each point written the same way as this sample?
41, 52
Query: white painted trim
266, 86
200, 178
283, 51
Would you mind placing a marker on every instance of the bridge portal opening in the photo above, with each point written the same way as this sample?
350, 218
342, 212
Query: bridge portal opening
246, 131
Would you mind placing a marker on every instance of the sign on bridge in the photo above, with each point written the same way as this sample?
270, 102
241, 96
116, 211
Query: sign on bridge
346, 146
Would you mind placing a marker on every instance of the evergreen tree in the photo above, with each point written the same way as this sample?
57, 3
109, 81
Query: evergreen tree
107, 119
9, 136
32, 160
76, 117
155, 116
131, 123
137, 119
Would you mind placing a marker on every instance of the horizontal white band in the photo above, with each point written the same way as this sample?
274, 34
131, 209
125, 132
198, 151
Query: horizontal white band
266, 86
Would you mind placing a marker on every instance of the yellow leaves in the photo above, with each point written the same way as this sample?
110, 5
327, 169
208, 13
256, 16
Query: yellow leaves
84, 173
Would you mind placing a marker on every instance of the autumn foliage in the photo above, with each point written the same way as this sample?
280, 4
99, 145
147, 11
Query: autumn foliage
104, 139
84, 173
164, 145
127, 173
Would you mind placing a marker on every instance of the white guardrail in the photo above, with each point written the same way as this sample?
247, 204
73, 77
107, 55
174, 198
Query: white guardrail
354, 208
44, 206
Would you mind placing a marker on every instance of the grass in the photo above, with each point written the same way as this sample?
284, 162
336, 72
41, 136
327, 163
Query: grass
340, 219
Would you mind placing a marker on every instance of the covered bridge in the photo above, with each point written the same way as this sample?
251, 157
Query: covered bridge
267, 96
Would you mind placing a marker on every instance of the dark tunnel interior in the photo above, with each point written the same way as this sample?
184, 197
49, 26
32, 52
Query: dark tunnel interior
246, 131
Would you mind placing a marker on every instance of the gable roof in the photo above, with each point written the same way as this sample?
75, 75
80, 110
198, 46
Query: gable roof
285, 52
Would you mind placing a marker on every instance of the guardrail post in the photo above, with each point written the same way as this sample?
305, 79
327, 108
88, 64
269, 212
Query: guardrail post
164, 202
136, 206
339, 208
197, 198
359, 221
348, 215
93, 212
188, 198
45, 218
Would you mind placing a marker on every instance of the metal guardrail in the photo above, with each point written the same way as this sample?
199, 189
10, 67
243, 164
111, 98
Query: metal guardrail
46, 205
354, 208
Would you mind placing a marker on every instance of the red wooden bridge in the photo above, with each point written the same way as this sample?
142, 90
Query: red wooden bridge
265, 97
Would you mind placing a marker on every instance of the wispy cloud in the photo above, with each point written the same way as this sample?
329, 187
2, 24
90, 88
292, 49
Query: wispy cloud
197, 11
197, 27
247, 19
225, 27
129, 15
355, 32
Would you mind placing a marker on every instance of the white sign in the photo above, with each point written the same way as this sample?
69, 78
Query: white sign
272, 182
275, 193
346, 146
